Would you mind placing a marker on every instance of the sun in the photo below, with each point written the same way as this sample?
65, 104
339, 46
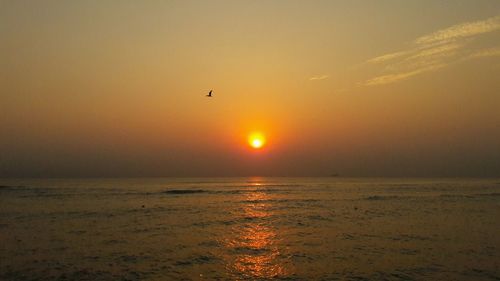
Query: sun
256, 140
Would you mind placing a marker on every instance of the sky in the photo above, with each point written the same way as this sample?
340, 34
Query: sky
355, 88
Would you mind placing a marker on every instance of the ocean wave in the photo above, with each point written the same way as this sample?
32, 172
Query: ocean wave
279, 200
28, 192
475, 195
198, 260
184, 191
387, 197
493, 194
430, 196
265, 185
12, 187
456, 196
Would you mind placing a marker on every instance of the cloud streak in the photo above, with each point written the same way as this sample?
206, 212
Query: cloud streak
390, 78
442, 50
387, 57
434, 51
320, 77
492, 52
458, 31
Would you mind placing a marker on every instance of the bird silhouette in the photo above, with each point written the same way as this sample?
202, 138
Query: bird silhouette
209, 94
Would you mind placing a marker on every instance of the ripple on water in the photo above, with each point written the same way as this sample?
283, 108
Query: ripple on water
184, 191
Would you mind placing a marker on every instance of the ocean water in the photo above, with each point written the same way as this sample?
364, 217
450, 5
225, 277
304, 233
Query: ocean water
250, 229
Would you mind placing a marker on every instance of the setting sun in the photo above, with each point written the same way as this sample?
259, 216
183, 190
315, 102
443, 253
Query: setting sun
250, 140
256, 140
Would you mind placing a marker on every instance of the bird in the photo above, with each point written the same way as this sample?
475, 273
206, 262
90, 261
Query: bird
209, 94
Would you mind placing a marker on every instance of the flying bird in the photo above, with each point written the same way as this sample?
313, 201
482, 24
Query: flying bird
209, 94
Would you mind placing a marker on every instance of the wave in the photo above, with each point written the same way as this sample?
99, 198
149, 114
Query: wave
184, 191
444, 196
387, 197
493, 194
263, 185
475, 195
12, 187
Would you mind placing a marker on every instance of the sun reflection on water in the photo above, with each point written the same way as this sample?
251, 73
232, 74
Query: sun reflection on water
255, 240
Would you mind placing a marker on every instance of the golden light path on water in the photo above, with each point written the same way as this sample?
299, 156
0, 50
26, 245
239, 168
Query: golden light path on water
255, 240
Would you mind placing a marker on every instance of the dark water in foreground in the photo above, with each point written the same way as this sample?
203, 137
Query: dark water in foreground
250, 229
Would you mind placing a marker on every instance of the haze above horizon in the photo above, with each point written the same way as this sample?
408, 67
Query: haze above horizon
301, 88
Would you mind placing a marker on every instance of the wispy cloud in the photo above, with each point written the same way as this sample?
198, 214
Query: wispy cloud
463, 30
320, 77
442, 50
434, 51
387, 57
492, 52
390, 78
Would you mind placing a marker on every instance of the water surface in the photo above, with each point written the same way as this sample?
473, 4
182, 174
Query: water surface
250, 229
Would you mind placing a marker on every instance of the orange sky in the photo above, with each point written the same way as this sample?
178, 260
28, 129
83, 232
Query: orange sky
379, 88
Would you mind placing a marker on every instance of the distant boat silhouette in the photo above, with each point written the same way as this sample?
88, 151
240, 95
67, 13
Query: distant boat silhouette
209, 94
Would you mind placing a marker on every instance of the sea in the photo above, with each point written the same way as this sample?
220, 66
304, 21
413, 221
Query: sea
253, 228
